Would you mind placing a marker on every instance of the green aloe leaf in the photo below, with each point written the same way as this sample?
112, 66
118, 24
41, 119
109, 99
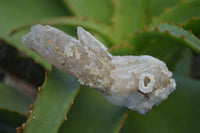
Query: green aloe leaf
193, 25
16, 13
128, 17
166, 42
7, 129
12, 118
181, 13
184, 65
12, 99
13, 106
154, 8
178, 114
52, 104
99, 10
123, 49
96, 27
132, 15
91, 112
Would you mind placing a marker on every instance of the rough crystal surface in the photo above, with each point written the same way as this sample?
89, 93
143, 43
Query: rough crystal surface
137, 82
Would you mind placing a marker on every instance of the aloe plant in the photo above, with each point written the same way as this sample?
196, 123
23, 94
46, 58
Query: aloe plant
167, 30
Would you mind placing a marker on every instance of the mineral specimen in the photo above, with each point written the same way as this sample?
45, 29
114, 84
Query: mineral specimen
137, 82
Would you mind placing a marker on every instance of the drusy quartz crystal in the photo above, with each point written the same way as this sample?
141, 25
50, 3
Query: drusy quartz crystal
137, 82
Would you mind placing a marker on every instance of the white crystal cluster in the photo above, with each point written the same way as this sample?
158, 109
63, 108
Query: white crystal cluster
137, 82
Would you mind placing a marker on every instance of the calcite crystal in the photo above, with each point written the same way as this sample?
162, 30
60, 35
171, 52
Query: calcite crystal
137, 82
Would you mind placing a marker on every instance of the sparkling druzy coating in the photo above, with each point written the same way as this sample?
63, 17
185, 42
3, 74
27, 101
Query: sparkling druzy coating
137, 82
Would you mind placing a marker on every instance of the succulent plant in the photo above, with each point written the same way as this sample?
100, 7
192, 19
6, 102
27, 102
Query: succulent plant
167, 30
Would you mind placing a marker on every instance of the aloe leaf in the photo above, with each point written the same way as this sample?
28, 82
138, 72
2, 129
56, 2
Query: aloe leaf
12, 99
52, 104
6, 129
168, 31
128, 17
11, 118
154, 8
184, 65
163, 39
165, 50
16, 13
91, 112
101, 29
123, 49
93, 9
193, 25
178, 114
13, 104
181, 13
131, 15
